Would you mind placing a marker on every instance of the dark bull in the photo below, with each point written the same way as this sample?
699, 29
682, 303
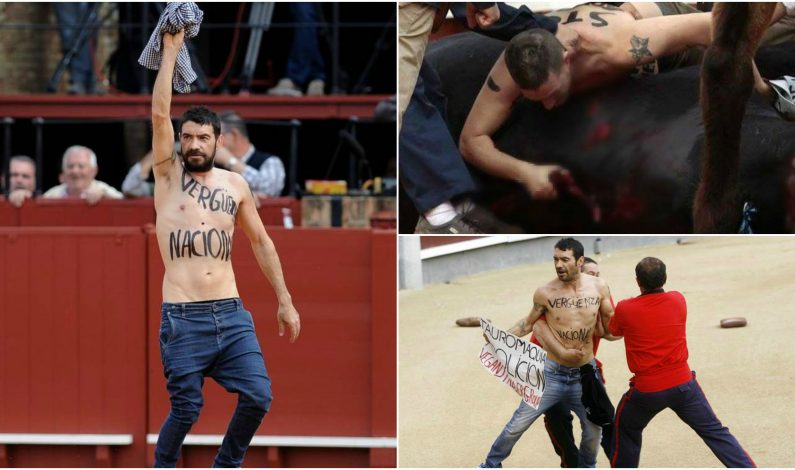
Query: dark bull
634, 148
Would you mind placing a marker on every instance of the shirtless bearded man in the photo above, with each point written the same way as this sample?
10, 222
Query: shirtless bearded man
205, 331
575, 307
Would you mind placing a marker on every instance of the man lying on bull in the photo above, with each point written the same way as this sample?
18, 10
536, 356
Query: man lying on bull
606, 47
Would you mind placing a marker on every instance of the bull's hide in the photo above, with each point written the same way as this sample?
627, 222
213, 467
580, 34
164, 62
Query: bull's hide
633, 147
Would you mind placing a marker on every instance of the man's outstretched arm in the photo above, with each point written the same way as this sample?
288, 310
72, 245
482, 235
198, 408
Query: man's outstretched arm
491, 109
162, 129
267, 259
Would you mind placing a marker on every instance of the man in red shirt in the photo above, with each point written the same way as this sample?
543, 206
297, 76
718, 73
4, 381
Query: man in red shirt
653, 326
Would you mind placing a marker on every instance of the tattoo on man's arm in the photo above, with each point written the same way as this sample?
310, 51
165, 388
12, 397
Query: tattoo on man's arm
640, 48
492, 85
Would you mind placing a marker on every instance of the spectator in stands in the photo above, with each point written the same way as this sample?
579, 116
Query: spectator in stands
305, 65
263, 171
136, 183
79, 167
22, 181
81, 68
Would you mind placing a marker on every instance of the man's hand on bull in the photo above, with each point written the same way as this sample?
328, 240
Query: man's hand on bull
537, 180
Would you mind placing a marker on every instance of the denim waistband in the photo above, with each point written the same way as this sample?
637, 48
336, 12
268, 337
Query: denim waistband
556, 368
207, 306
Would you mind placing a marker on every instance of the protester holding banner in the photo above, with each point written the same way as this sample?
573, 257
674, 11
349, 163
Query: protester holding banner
653, 325
572, 304
558, 420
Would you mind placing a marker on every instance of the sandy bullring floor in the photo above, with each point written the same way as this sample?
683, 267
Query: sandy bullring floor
451, 409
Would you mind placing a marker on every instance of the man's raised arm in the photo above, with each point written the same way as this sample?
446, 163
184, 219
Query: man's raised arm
162, 129
491, 109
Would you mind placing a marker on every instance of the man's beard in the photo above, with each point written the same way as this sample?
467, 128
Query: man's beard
206, 164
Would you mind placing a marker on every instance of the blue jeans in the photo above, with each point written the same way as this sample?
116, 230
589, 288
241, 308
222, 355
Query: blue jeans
214, 339
432, 170
305, 62
562, 385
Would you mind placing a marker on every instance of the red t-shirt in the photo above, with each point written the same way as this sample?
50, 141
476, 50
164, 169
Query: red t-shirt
653, 326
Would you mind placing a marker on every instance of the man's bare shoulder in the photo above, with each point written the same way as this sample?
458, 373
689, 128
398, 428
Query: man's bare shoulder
500, 82
549, 289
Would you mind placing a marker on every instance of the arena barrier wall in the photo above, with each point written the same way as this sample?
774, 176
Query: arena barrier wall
124, 212
85, 386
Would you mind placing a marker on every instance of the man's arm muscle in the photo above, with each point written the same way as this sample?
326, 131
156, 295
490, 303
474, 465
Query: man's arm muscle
162, 129
525, 325
606, 311
644, 41
267, 258
491, 109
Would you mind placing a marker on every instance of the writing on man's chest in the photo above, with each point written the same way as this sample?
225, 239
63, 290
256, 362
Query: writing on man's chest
215, 200
573, 302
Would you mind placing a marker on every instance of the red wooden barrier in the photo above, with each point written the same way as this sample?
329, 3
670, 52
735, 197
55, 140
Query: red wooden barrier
9, 215
79, 345
73, 343
42, 212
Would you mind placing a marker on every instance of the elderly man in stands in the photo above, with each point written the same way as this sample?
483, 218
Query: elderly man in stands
78, 179
22, 184
263, 171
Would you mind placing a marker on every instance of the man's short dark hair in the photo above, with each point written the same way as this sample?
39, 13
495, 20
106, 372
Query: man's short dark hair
23, 158
587, 260
531, 55
201, 115
231, 120
651, 273
571, 244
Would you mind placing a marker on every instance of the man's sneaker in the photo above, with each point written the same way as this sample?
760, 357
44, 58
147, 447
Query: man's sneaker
785, 96
316, 87
459, 225
486, 222
285, 87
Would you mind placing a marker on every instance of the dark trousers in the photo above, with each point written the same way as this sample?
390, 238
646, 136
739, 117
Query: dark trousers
69, 15
432, 170
558, 423
636, 409
305, 62
211, 339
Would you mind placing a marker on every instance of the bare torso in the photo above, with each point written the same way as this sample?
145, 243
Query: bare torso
195, 225
572, 310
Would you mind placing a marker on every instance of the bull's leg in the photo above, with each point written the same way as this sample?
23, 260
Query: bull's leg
727, 80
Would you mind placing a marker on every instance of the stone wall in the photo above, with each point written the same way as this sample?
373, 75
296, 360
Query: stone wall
30, 54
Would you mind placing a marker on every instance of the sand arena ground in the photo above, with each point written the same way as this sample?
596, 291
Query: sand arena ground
451, 409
